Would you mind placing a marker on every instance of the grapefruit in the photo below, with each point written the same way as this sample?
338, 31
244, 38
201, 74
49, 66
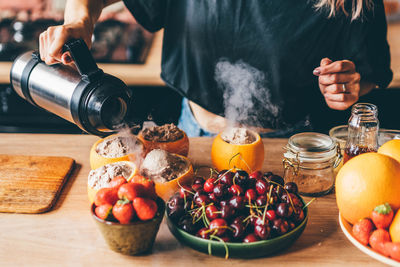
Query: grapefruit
365, 182
391, 148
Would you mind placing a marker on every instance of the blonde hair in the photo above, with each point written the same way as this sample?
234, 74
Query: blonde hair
336, 6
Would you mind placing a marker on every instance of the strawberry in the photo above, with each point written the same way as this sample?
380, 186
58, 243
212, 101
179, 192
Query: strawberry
150, 189
393, 249
382, 216
378, 239
106, 196
131, 191
117, 181
103, 211
362, 230
123, 211
145, 208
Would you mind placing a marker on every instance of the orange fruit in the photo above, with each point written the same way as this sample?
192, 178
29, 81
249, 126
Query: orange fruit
167, 189
247, 157
394, 228
180, 146
97, 160
365, 182
391, 148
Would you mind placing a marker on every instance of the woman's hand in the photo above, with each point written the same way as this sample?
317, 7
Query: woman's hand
52, 40
339, 83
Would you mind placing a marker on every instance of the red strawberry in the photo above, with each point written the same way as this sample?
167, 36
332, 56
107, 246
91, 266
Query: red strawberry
103, 211
149, 185
117, 181
106, 196
131, 191
382, 216
393, 249
145, 208
123, 211
362, 230
378, 239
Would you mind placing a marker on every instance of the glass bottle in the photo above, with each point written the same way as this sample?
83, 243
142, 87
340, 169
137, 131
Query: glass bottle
363, 130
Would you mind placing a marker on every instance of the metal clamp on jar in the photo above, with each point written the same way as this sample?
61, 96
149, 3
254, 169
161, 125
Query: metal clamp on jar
96, 102
309, 161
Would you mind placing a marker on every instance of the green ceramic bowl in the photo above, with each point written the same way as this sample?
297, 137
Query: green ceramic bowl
239, 250
134, 238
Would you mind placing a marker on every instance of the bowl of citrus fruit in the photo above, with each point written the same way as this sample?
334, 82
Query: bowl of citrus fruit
128, 214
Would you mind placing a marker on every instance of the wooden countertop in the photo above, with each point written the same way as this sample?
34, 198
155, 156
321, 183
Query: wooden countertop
148, 74
67, 235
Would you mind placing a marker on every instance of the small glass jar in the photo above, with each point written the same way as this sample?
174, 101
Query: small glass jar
309, 161
362, 131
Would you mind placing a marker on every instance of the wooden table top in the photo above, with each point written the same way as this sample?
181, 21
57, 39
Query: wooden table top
67, 235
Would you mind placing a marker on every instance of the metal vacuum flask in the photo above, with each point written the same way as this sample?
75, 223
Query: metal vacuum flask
96, 102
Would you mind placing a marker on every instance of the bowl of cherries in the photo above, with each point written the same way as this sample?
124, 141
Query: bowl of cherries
236, 214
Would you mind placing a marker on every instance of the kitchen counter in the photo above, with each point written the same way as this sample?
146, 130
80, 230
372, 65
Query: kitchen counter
67, 235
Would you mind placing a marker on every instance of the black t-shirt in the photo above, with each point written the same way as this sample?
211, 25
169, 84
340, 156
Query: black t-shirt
252, 60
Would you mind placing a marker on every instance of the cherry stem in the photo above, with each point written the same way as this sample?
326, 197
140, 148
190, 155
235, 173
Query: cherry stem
223, 174
309, 202
268, 198
220, 240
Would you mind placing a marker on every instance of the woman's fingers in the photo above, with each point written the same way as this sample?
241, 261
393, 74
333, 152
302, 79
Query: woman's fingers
336, 78
335, 67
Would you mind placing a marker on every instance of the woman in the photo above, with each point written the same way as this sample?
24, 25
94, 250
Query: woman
267, 64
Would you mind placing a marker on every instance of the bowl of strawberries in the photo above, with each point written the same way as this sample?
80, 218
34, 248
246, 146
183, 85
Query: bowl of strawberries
377, 235
128, 214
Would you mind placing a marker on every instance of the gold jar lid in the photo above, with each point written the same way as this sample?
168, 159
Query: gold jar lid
311, 147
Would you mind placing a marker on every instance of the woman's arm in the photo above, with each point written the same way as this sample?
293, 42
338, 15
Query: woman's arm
79, 19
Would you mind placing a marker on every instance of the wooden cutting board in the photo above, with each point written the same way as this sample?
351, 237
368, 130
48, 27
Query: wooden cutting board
31, 184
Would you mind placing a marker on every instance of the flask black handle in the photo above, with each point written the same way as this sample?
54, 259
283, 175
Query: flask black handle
83, 59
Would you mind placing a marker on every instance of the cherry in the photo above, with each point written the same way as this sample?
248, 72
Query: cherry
277, 179
239, 219
292, 225
298, 215
256, 175
185, 192
270, 215
284, 210
268, 174
175, 212
279, 191
237, 230
237, 202
187, 225
226, 177
262, 231
261, 187
261, 200
260, 221
280, 226
220, 190
253, 220
203, 233
197, 187
251, 194
227, 212
223, 203
212, 212
273, 199
213, 197
226, 238
241, 178
235, 190
201, 200
296, 200
291, 187
219, 225
250, 238
198, 180
209, 185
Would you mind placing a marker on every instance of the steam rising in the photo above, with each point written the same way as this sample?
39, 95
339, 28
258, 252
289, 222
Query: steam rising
247, 98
